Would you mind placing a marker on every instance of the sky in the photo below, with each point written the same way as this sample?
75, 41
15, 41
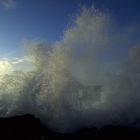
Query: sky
46, 20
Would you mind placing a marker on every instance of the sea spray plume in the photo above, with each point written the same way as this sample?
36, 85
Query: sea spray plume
62, 85
123, 100
64, 73
68, 87
70, 71
88, 39
53, 72
10, 89
56, 79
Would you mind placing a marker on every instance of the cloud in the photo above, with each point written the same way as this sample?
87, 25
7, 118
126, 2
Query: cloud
15, 60
9, 4
8, 65
18, 61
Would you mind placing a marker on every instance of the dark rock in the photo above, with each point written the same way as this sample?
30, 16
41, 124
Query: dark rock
25, 127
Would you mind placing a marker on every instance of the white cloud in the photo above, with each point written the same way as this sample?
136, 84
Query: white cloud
8, 65
8, 3
18, 61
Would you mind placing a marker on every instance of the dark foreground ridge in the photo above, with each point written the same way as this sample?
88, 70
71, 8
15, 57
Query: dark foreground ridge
27, 127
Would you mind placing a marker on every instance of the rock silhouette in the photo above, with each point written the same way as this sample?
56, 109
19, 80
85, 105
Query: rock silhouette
27, 127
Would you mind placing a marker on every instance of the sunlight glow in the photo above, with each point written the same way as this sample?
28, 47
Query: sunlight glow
5, 67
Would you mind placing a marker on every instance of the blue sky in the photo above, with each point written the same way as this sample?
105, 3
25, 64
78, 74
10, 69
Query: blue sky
47, 19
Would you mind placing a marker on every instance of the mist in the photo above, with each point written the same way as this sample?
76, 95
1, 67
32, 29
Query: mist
85, 79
